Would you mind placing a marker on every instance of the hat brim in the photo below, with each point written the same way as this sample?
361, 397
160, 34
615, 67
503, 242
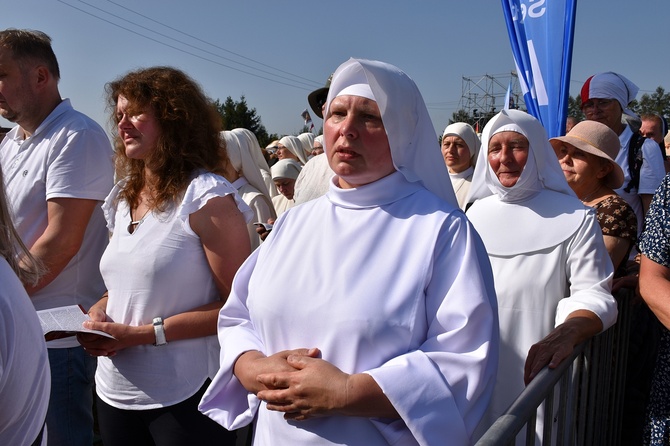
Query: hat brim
614, 179
316, 99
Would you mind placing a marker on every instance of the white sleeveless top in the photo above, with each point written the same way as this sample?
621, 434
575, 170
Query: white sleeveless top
158, 270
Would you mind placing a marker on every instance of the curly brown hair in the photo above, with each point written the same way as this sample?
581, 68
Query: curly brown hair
189, 133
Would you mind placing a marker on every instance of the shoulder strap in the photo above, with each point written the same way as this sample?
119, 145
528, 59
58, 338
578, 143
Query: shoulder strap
634, 161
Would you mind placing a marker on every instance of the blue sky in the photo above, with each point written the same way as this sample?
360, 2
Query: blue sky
276, 52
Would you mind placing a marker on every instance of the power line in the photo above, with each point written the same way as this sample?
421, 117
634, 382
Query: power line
179, 49
213, 45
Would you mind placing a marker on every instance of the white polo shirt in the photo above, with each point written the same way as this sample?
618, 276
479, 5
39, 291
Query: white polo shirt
68, 156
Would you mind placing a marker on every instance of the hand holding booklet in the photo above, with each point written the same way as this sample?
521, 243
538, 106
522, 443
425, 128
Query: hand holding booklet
62, 322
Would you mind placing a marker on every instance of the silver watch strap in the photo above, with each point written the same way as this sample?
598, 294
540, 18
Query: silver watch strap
159, 331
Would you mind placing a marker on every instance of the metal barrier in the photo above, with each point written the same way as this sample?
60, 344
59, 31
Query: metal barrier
583, 396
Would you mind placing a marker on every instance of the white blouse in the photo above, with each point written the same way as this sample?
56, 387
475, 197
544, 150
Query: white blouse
158, 270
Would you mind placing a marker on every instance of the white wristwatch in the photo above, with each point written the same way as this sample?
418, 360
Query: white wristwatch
159, 331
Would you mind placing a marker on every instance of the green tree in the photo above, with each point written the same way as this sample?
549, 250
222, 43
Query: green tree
462, 116
575, 107
657, 103
237, 114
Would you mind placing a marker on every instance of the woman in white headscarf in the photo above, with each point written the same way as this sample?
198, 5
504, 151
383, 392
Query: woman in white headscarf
246, 136
307, 141
249, 183
392, 331
284, 174
291, 147
318, 146
460, 145
552, 271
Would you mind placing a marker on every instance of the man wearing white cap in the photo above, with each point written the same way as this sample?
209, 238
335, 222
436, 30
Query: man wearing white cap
605, 97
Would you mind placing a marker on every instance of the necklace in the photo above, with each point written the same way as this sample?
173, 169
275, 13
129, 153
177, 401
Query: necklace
134, 223
591, 195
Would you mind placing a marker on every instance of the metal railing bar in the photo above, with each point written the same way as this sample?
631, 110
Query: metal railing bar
590, 394
509, 424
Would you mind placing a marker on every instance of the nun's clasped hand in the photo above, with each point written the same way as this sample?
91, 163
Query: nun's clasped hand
316, 388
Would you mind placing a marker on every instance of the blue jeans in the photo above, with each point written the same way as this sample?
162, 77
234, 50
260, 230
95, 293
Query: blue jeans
70, 414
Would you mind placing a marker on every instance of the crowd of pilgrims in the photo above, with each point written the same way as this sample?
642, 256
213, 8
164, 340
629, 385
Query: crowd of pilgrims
370, 285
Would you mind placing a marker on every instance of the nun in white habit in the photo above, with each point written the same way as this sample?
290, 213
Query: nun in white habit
460, 146
392, 332
307, 141
249, 183
294, 146
246, 136
552, 272
284, 174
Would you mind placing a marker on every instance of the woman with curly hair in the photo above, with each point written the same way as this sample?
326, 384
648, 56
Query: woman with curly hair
178, 236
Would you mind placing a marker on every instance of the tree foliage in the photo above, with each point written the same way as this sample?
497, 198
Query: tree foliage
462, 116
658, 103
575, 107
237, 114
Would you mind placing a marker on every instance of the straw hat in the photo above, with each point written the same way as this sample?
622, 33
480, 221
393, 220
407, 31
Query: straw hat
599, 140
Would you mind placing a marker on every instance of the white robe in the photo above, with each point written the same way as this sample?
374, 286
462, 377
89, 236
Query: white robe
554, 264
282, 204
400, 289
461, 184
261, 206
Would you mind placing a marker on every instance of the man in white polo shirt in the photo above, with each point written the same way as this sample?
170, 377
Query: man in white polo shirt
58, 168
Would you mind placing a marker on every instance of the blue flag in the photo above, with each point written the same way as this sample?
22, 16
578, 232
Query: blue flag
541, 33
508, 97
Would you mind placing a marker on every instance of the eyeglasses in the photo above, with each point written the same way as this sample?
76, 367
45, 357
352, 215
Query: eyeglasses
271, 150
600, 104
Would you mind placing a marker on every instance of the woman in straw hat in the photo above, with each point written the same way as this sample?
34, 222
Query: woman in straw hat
586, 155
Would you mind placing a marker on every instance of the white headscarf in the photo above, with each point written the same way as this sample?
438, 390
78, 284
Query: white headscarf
293, 144
465, 131
240, 157
539, 211
257, 154
542, 170
286, 168
246, 136
319, 139
610, 85
307, 141
414, 146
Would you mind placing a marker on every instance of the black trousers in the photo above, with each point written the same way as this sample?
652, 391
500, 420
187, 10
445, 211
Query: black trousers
178, 425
